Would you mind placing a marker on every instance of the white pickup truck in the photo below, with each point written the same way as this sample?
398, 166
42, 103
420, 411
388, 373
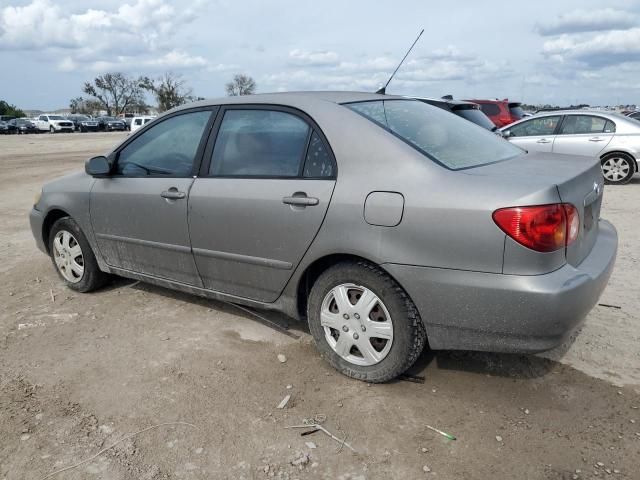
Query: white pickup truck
53, 123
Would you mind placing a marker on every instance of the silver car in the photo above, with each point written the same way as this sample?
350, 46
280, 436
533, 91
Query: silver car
612, 138
383, 222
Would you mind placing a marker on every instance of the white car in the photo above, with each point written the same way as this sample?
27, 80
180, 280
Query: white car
54, 123
138, 122
613, 138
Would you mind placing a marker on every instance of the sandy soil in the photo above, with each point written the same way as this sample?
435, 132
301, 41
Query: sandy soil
80, 372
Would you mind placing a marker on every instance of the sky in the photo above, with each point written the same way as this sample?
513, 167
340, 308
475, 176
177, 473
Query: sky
542, 51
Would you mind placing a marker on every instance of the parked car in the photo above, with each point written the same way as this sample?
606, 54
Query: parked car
127, 118
109, 124
53, 124
383, 222
634, 115
6, 128
611, 138
501, 112
84, 123
467, 110
138, 122
24, 125
6, 118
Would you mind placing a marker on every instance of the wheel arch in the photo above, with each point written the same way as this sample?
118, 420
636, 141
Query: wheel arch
52, 217
313, 271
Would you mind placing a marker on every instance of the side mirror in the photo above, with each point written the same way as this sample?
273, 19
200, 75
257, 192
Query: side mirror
507, 133
98, 167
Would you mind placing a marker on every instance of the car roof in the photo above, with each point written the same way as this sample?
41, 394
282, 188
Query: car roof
294, 99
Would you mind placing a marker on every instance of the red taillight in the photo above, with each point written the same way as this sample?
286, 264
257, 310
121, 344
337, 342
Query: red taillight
544, 228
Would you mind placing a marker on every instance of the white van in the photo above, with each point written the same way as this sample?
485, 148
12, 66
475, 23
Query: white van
139, 122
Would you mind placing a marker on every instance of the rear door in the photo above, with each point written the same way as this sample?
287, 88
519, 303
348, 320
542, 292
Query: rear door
584, 135
262, 194
536, 134
139, 213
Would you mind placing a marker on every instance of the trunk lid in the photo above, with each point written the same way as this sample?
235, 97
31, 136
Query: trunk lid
578, 181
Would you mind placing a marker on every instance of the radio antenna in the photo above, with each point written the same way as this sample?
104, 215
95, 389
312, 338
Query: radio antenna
383, 90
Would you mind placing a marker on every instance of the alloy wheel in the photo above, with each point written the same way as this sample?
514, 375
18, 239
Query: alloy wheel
615, 169
68, 256
357, 325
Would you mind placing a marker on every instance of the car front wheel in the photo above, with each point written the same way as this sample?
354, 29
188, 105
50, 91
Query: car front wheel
73, 258
617, 168
364, 323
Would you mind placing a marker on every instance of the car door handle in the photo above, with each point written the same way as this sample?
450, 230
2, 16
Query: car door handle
543, 140
596, 139
173, 194
300, 200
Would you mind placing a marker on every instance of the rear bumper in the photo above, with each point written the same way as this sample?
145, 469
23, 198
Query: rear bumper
465, 310
36, 220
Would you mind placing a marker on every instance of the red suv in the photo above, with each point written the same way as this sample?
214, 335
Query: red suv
501, 112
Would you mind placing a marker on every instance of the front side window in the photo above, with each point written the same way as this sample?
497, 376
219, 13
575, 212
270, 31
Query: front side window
538, 126
448, 139
261, 143
585, 124
169, 148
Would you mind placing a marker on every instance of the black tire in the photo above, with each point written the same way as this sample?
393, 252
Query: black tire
628, 162
409, 336
92, 277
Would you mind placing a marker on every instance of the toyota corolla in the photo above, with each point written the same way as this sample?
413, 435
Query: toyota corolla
385, 223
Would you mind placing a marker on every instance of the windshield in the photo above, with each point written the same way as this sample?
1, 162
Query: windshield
476, 116
55, 117
448, 139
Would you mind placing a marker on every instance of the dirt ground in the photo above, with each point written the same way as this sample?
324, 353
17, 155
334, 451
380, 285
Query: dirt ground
80, 372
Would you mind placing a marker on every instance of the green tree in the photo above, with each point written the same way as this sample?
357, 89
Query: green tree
8, 109
170, 91
240, 85
115, 92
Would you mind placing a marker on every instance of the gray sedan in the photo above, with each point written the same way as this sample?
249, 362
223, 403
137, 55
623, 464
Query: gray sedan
613, 139
383, 222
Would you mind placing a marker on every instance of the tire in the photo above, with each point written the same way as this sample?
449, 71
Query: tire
91, 276
617, 168
392, 312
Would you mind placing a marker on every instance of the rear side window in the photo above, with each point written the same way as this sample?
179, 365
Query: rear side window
490, 109
168, 148
585, 124
318, 162
535, 127
448, 139
261, 143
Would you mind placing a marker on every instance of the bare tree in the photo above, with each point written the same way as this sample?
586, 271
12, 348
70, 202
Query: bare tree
115, 92
84, 106
241, 85
170, 90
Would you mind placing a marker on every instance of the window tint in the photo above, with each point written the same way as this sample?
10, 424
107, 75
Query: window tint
448, 139
259, 143
609, 127
490, 109
580, 124
318, 162
535, 127
476, 116
166, 149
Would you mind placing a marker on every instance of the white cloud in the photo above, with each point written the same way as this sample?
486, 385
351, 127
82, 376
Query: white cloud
138, 32
314, 58
589, 21
596, 51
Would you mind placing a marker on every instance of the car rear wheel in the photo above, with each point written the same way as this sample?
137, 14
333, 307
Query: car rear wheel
617, 168
73, 258
364, 323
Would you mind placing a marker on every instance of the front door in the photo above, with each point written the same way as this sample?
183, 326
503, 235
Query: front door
584, 135
139, 213
260, 200
536, 134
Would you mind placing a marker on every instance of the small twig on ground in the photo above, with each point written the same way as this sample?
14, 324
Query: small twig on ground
53, 297
264, 320
325, 431
609, 306
126, 437
444, 434
412, 378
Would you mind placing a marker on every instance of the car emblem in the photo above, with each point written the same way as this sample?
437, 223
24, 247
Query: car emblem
596, 188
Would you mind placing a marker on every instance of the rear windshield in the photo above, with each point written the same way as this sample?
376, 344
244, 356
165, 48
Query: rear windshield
476, 116
516, 111
448, 139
